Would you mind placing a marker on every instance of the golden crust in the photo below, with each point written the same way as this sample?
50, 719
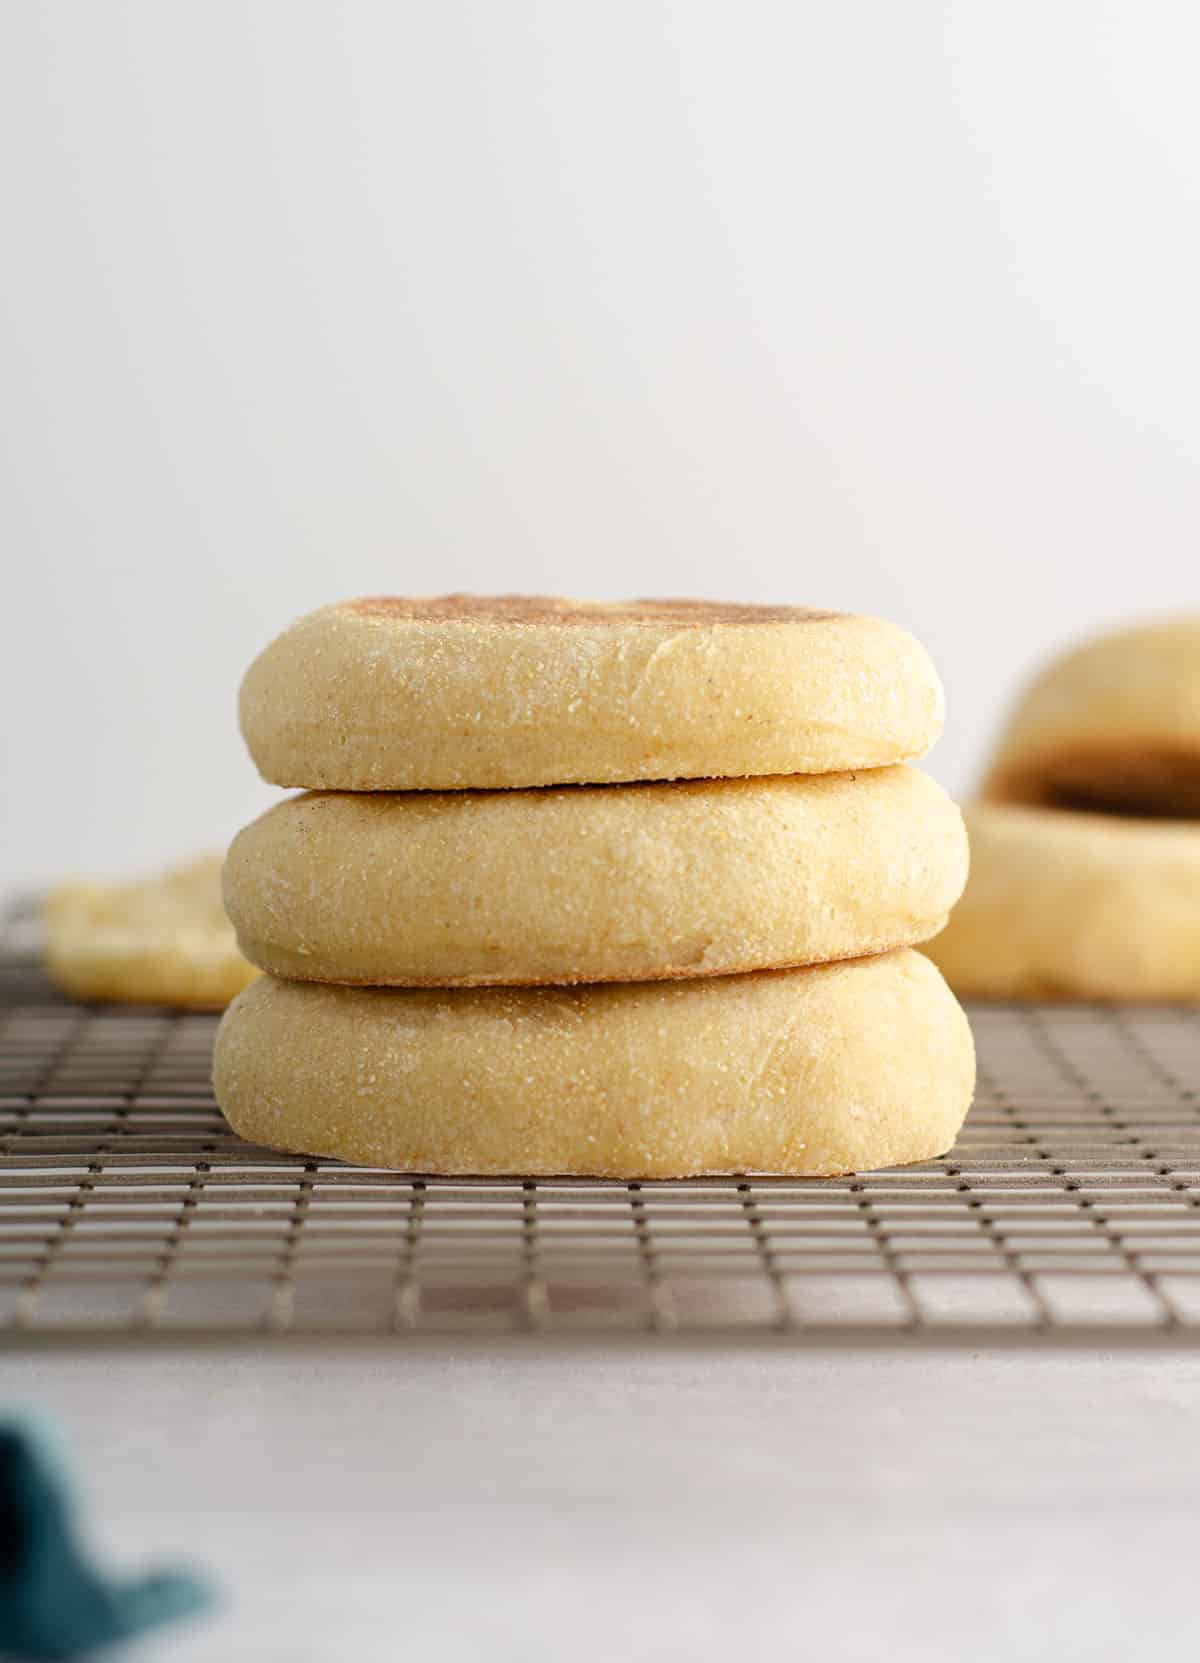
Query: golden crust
595, 883
1075, 906
460, 693
805, 1072
161, 941
553, 610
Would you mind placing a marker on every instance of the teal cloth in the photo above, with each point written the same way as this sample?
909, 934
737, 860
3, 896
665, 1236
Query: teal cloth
53, 1602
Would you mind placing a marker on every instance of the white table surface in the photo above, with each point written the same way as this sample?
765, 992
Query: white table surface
532, 1502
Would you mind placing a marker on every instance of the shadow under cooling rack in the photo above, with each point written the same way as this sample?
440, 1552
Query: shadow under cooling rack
1070, 1208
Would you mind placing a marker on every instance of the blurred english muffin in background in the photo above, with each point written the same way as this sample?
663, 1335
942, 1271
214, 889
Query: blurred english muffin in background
1085, 847
1112, 726
163, 940
1062, 905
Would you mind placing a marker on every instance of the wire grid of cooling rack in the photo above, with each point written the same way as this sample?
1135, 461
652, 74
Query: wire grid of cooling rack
1069, 1208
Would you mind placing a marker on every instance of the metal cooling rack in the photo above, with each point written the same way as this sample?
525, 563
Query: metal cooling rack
1070, 1208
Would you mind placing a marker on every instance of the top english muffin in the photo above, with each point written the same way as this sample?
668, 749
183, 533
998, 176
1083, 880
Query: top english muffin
470, 692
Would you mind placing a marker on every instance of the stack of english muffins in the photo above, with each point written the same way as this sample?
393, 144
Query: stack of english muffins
624, 891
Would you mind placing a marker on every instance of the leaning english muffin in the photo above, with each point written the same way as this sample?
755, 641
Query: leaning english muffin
1112, 726
392, 694
160, 941
1064, 905
595, 883
806, 1072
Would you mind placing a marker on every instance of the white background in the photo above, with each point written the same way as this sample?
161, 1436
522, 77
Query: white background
883, 306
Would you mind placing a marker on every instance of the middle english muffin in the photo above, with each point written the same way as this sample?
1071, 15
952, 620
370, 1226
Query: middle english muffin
595, 883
